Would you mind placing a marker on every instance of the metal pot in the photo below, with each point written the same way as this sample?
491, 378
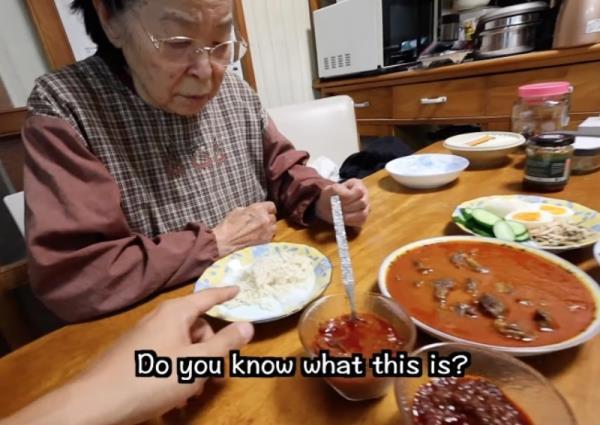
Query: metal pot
509, 30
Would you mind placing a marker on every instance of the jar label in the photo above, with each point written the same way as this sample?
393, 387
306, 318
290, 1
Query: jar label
545, 170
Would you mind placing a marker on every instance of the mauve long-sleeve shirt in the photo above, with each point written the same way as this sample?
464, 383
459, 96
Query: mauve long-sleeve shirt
121, 197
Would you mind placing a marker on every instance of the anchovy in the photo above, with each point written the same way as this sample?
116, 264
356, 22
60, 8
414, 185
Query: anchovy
544, 321
422, 268
475, 266
513, 330
463, 309
442, 289
471, 286
458, 259
491, 306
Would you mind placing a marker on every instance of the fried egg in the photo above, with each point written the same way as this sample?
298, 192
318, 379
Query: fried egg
531, 218
559, 213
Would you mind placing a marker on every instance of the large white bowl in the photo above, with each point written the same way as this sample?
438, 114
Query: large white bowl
585, 279
426, 171
488, 153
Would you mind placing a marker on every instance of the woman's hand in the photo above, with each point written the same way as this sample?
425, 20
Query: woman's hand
110, 393
354, 197
244, 227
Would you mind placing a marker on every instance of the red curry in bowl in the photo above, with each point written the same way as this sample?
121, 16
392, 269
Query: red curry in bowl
491, 293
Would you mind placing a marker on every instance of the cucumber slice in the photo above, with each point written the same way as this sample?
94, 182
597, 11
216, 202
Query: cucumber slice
522, 238
467, 213
473, 226
459, 220
485, 218
503, 231
517, 228
481, 232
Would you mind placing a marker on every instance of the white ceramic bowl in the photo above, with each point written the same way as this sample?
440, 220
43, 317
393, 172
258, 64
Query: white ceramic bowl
487, 153
426, 171
592, 330
597, 252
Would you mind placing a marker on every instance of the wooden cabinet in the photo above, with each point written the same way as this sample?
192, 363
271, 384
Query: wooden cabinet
440, 99
480, 92
374, 103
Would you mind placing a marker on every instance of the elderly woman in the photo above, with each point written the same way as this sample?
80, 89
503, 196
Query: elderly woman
150, 160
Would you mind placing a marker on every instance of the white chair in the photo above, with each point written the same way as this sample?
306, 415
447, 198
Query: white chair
15, 203
323, 127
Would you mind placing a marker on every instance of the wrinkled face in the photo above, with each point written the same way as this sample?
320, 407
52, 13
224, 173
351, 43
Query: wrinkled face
178, 83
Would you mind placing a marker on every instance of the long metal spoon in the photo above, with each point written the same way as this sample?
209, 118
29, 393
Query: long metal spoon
342, 243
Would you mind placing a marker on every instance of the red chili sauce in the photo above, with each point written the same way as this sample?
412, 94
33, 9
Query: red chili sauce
367, 334
465, 401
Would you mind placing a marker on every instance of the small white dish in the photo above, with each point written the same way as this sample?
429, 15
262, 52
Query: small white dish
487, 153
426, 171
597, 252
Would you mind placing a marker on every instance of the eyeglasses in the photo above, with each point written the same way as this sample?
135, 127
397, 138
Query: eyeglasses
181, 50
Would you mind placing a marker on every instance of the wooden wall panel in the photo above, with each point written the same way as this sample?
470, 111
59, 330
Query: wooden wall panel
51, 31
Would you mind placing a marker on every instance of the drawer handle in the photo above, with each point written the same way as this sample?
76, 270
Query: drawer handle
362, 105
433, 100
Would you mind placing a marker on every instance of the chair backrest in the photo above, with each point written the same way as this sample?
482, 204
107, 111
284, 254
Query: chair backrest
323, 127
15, 203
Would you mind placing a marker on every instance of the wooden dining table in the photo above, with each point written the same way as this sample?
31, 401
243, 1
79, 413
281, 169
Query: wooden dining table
399, 216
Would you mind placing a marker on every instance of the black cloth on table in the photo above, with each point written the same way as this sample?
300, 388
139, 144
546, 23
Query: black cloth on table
374, 157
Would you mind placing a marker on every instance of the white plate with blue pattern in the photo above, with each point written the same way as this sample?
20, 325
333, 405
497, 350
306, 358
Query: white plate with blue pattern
228, 270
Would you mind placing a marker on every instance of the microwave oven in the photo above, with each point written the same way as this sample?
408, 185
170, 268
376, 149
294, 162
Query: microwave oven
365, 36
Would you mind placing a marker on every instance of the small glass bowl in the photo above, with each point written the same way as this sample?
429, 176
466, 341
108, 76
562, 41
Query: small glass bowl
332, 306
522, 384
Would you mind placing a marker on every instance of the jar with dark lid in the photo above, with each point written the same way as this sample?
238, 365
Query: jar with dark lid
548, 164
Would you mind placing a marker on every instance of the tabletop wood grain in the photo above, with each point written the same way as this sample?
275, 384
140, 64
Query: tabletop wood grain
399, 216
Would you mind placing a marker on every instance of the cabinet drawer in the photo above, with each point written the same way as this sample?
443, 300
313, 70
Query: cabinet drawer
503, 88
442, 99
373, 103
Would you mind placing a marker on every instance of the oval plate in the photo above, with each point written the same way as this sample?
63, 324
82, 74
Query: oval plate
503, 140
584, 216
229, 269
584, 278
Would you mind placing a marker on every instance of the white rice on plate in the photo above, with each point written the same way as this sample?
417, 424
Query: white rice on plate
274, 284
